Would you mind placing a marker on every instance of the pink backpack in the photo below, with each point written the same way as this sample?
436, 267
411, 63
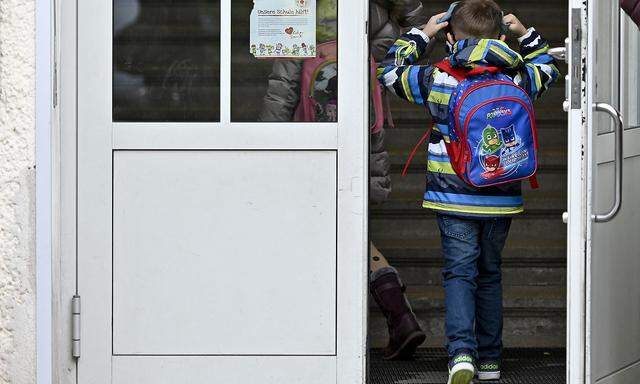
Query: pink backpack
319, 89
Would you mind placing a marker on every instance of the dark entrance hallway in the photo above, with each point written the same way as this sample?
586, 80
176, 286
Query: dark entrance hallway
534, 261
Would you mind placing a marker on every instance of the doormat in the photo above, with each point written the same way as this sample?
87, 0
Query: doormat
519, 366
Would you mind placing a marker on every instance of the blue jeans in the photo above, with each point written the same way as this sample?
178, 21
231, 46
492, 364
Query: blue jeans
473, 283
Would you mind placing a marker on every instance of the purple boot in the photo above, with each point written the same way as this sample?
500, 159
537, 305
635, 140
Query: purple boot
405, 335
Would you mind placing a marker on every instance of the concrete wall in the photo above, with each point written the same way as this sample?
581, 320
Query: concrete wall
17, 191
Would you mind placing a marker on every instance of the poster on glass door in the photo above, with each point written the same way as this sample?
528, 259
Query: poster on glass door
283, 28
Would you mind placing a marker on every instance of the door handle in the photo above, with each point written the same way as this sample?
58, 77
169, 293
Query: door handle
559, 53
619, 133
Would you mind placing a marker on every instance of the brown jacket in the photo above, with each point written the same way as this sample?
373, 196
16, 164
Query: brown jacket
386, 20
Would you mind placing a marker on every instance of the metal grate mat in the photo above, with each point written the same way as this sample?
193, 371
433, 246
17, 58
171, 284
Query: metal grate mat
519, 366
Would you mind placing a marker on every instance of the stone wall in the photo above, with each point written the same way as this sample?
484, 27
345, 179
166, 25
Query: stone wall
17, 191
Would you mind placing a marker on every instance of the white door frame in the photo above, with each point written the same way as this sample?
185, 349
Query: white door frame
576, 203
55, 185
44, 191
57, 26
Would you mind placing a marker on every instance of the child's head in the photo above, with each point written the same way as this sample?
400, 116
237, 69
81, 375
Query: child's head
481, 19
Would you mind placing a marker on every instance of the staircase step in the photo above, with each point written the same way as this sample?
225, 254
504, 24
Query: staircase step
523, 328
536, 227
429, 246
516, 271
536, 264
426, 298
534, 316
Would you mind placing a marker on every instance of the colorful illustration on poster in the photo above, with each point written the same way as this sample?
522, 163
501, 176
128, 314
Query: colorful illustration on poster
283, 28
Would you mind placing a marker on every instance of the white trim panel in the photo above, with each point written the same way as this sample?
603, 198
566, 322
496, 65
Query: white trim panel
228, 370
576, 220
604, 150
226, 136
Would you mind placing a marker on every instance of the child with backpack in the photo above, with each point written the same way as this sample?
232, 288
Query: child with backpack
482, 144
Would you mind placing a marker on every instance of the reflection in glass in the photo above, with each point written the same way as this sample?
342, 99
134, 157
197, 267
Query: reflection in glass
166, 60
271, 90
630, 99
635, 122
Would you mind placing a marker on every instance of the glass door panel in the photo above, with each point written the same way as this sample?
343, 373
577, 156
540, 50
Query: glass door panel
630, 76
166, 61
269, 73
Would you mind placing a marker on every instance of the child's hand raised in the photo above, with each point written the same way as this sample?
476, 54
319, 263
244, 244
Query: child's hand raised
432, 27
515, 26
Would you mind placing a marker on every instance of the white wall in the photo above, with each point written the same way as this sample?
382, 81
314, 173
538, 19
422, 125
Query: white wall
17, 191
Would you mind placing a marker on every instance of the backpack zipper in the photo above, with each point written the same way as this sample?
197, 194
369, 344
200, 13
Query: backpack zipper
474, 88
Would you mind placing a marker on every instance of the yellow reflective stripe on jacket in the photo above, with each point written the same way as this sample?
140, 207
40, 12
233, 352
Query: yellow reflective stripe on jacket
472, 209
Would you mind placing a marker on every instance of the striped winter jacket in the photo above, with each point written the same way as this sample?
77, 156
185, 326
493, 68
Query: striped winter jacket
532, 69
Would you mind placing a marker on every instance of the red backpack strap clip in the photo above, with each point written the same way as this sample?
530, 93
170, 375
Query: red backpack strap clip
458, 73
479, 70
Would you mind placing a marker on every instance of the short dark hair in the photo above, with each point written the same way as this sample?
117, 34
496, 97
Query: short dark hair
481, 19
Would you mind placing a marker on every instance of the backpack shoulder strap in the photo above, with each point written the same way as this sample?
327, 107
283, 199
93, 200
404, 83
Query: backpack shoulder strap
460, 73
533, 180
445, 66
425, 137
480, 69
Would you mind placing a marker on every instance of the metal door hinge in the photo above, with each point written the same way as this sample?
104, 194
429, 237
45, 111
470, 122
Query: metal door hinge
75, 326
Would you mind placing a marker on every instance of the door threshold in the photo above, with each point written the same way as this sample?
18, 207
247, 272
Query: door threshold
519, 366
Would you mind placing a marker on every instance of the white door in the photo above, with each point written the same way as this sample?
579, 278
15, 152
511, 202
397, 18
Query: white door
612, 185
213, 248
610, 215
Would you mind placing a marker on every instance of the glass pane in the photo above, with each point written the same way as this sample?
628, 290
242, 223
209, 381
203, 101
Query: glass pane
630, 79
634, 83
166, 60
607, 88
282, 49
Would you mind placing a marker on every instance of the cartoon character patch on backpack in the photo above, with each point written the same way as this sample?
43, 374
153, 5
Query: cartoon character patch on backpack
500, 153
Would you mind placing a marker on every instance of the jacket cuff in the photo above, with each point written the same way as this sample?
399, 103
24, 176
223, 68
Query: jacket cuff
416, 32
532, 43
531, 31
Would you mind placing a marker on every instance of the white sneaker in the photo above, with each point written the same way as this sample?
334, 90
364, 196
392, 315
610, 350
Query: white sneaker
489, 371
461, 369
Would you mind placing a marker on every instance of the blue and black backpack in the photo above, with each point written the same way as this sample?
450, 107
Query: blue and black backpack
492, 128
